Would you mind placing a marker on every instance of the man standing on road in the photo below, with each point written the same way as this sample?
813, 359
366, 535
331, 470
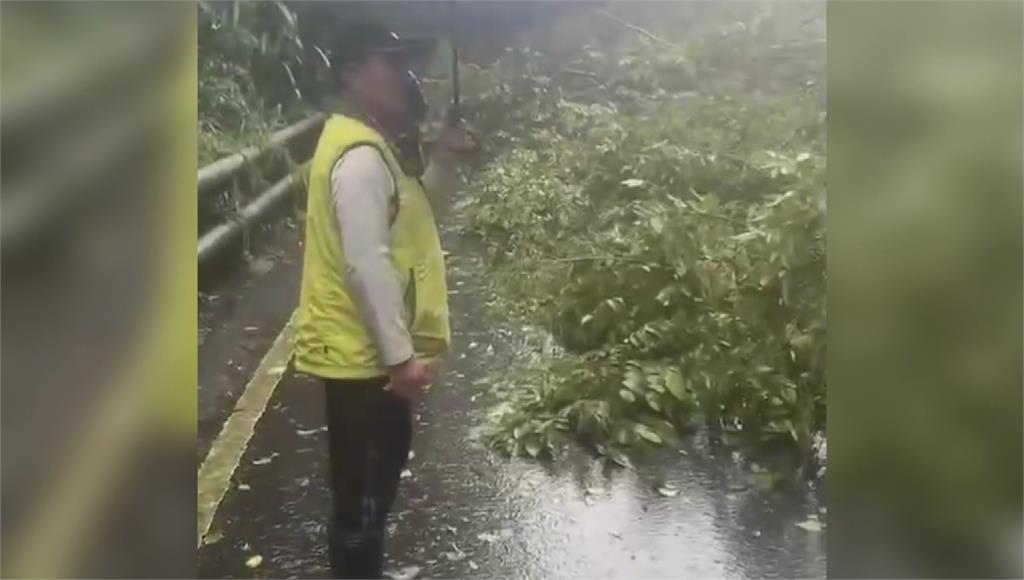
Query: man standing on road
373, 314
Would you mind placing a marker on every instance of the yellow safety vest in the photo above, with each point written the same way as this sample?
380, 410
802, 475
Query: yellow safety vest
331, 338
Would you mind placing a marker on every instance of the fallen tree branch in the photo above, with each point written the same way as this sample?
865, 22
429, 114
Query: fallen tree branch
593, 259
582, 73
723, 218
637, 29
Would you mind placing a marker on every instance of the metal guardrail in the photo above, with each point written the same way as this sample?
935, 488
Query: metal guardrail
226, 167
217, 238
220, 171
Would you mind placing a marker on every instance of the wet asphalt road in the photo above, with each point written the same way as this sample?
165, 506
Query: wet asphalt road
465, 512
240, 315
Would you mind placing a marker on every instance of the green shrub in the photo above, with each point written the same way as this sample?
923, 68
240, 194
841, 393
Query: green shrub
672, 243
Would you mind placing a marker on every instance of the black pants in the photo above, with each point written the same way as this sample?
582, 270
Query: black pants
369, 433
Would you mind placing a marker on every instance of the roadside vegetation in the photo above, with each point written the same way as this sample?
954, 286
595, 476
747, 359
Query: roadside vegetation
655, 201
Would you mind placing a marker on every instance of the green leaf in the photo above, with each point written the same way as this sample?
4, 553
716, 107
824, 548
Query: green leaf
213, 538
619, 457
622, 436
812, 524
668, 490
633, 379
674, 383
522, 429
286, 12
657, 224
665, 296
627, 395
648, 434
533, 447
652, 400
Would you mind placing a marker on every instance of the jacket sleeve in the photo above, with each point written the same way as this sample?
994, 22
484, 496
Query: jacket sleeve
364, 192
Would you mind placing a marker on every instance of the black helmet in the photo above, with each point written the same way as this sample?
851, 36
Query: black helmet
359, 40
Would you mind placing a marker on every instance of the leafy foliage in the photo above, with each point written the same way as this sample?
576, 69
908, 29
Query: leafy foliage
666, 226
251, 62
251, 83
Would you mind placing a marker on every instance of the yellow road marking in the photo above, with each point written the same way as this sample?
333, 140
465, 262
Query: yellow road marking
226, 452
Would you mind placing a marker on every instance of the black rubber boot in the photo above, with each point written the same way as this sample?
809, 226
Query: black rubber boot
368, 560
362, 559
